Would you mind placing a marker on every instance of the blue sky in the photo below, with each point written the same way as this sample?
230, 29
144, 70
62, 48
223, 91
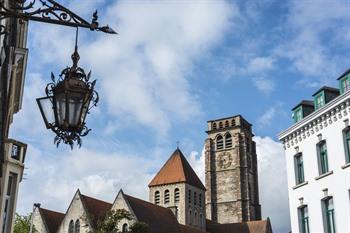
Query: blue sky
173, 66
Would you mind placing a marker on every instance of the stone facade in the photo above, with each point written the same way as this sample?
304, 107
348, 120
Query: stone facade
76, 212
189, 207
231, 172
38, 221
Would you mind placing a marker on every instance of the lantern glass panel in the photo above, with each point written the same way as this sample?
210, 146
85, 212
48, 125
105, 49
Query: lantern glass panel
75, 104
60, 99
46, 109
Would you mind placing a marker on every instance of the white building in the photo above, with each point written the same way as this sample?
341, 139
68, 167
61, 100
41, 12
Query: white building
317, 149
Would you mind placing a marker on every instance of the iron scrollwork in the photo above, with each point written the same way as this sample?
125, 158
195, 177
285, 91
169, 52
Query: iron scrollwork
49, 12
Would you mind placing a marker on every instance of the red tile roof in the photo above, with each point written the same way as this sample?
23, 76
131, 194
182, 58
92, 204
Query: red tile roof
188, 229
159, 219
52, 219
262, 226
177, 170
96, 209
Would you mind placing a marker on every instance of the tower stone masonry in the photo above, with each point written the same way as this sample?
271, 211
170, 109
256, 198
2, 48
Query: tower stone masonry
231, 172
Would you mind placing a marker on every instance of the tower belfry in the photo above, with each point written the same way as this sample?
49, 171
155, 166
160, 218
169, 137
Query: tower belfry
231, 173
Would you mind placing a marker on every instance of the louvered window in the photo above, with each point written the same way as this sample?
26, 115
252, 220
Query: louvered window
227, 124
166, 196
77, 226
221, 125
157, 197
177, 195
195, 198
228, 141
214, 125
219, 143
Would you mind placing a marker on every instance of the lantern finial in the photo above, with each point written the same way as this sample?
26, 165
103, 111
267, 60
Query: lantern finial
75, 55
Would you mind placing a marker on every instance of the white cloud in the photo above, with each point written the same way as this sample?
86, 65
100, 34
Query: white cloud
144, 70
273, 183
266, 118
264, 85
260, 64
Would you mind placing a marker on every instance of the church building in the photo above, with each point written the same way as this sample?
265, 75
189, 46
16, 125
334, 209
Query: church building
178, 200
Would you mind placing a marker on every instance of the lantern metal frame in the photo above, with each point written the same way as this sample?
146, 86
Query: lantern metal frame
71, 80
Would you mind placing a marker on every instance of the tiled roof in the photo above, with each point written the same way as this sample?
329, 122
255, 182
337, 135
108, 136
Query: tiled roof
52, 219
158, 219
176, 170
188, 229
262, 226
96, 208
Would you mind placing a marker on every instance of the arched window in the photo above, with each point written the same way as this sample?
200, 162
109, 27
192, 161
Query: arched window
221, 125
176, 195
227, 124
190, 217
77, 226
219, 143
157, 197
200, 200
201, 220
195, 198
214, 125
166, 196
125, 227
71, 227
228, 141
233, 122
195, 219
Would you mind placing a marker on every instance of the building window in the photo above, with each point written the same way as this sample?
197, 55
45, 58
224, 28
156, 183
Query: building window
227, 124
71, 227
328, 215
177, 195
195, 198
77, 226
322, 157
157, 197
319, 101
233, 122
9, 202
346, 135
219, 143
15, 152
304, 219
298, 115
221, 125
195, 219
125, 227
200, 200
214, 125
228, 141
299, 168
190, 218
189, 196
166, 196
345, 85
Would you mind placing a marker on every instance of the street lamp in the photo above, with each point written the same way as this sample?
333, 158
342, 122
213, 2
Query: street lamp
68, 101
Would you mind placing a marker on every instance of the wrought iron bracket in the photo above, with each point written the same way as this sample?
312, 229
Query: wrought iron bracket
49, 12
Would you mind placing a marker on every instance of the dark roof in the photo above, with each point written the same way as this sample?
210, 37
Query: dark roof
52, 219
176, 170
189, 229
328, 89
159, 219
343, 74
309, 103
96, 209
261, 226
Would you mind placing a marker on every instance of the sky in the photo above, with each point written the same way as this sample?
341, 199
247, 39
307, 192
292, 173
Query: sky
173, 66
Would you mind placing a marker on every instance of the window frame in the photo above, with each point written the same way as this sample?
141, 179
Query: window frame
329, 225
322, 156
166, 196
299, 168
157, 197
319, 101
220, 139
346, 143
344, 88
304, 219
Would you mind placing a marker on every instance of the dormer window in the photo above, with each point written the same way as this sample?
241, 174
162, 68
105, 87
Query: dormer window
319, 101
298, 115
345, 85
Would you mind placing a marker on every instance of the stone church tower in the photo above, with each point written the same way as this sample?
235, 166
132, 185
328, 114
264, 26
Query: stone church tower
231, 173
177, 187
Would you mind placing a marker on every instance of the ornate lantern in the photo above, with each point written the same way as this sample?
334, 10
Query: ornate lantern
68, 101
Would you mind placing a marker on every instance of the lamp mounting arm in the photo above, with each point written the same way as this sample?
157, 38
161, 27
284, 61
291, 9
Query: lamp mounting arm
50, 12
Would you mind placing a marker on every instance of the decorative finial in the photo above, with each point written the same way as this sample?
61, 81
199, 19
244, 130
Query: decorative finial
178, 144
75, 55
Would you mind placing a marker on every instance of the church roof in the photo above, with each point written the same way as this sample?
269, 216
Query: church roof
189, 229
158, 219
177, 170
261, 226
52, 219
96, 209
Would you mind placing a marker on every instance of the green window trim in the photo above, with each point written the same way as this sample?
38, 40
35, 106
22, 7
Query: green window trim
298, 114
319, 100
299, 168
329, 215
322, 157
346, 136
304, 219
344, 84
